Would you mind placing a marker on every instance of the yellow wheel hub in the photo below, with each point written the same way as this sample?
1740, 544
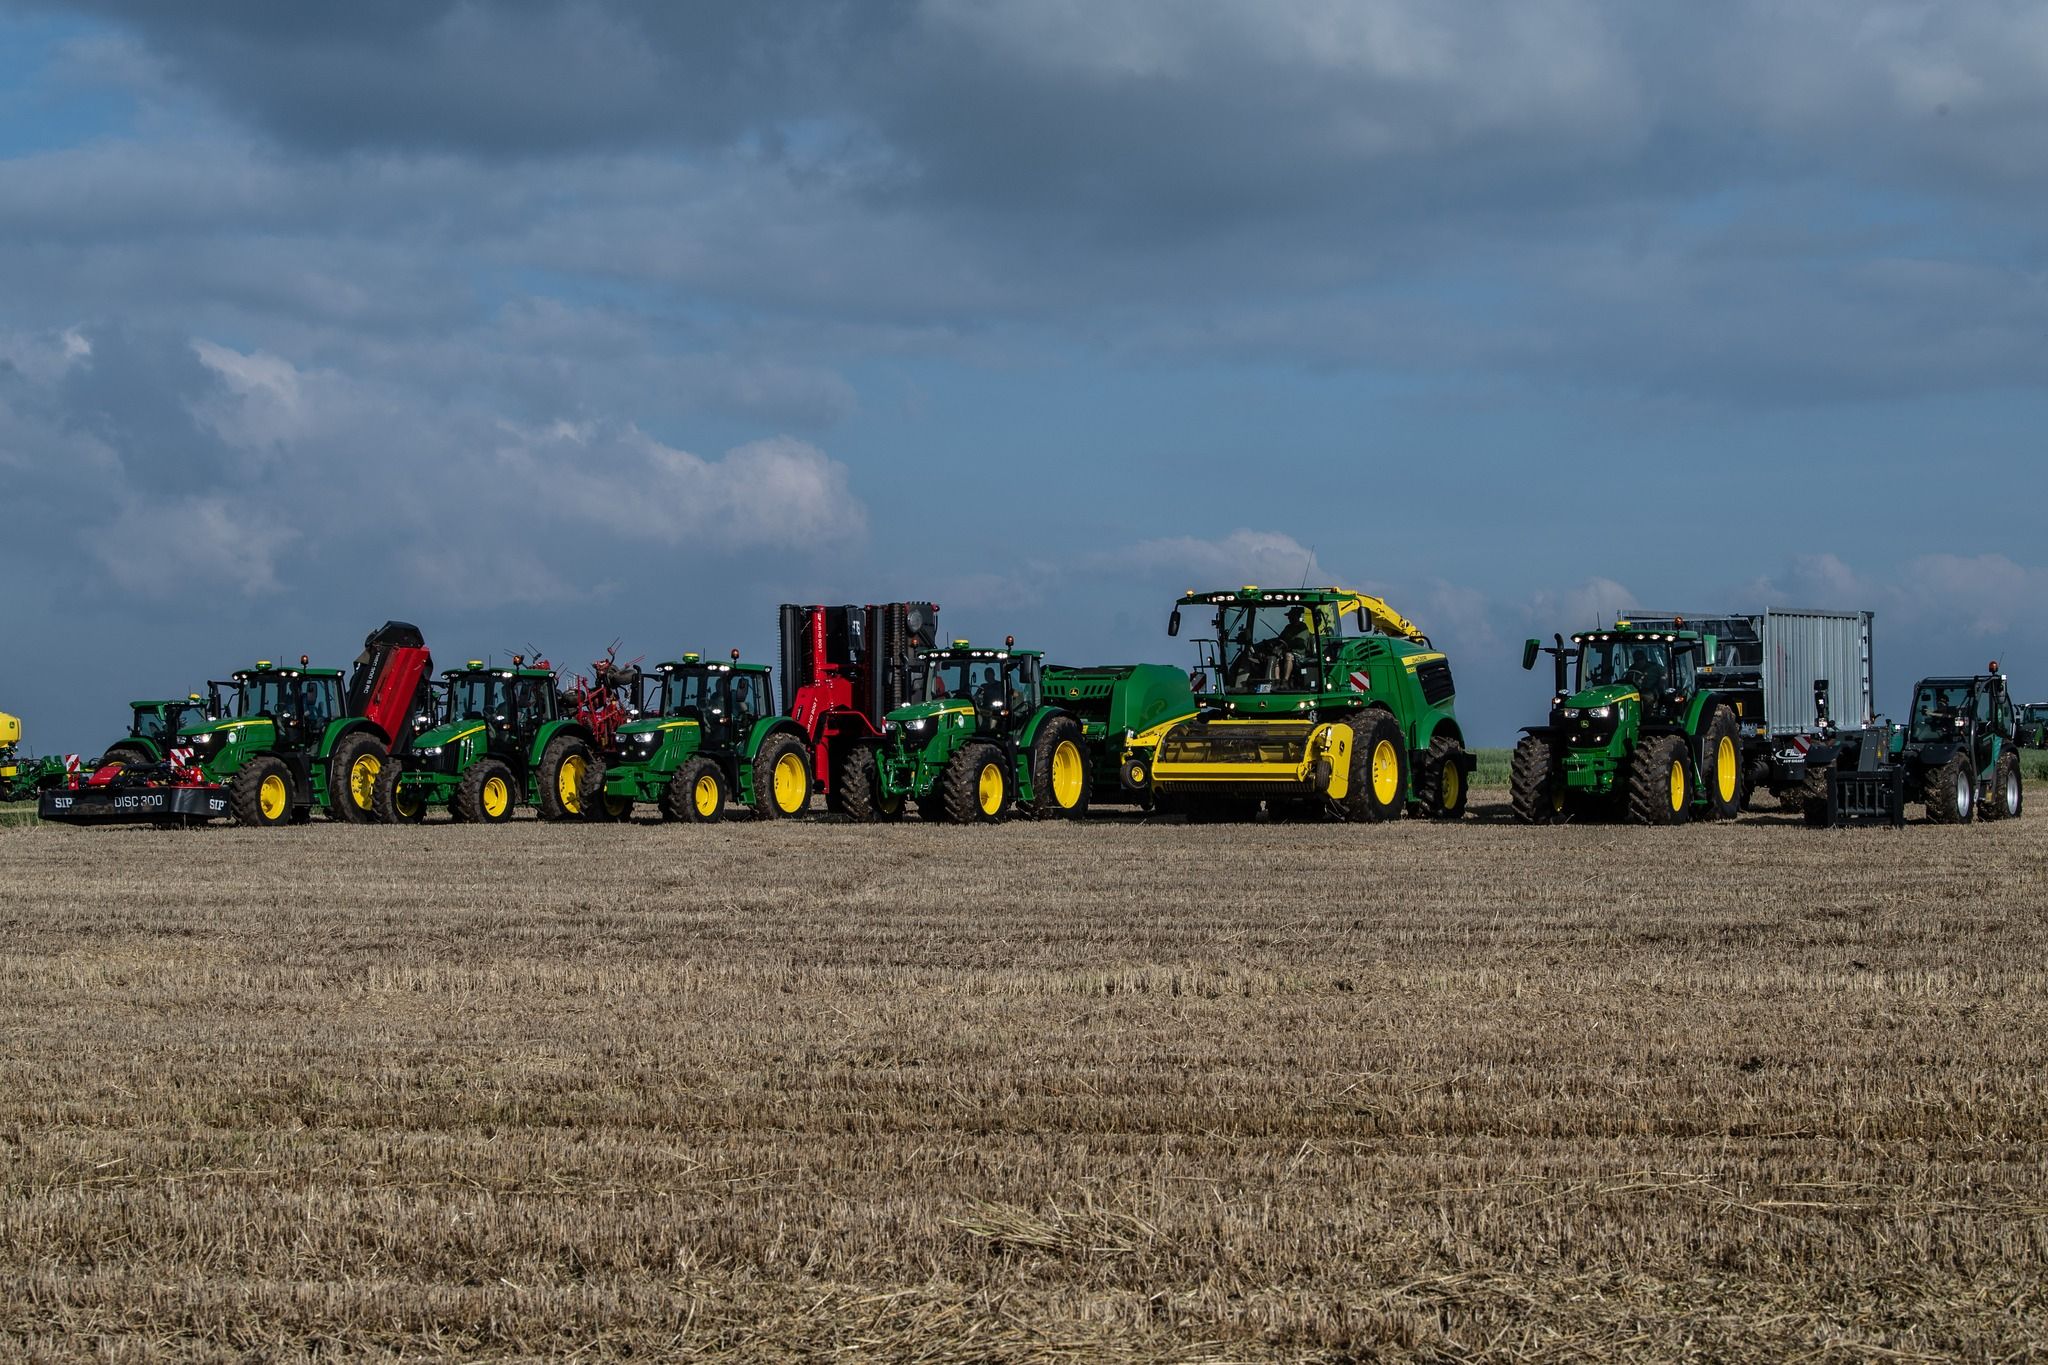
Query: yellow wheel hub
1067, 774
409, 803
789, 784
273, 796
1677, 786
988, 789
705, 795
618, 807
1453, 784
1386, 772
1724, 768
497, 797
362, 780
569, 783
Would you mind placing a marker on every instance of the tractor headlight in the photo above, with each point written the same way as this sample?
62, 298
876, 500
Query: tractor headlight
1600, 712
918, 725
433, 752
201, 741
647, 737
1571, 713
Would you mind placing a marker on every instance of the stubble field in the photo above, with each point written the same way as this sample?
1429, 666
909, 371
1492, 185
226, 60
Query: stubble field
1034, 1092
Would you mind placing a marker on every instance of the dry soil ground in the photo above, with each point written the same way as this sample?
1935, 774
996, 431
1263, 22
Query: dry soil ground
1119, 1091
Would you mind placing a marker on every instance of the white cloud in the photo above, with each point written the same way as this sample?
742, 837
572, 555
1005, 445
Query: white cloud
183, 548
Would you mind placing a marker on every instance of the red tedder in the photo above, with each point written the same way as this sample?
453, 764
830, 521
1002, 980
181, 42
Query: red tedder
608, 698
843, 669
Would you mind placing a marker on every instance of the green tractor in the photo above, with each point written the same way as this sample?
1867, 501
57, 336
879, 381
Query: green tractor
153, 731
1640, 733
708, 733
503, 739
1959, 749
1320, 702
2033, 721
976, 738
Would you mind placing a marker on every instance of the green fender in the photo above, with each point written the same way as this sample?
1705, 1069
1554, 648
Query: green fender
1025, 740
547, 734
252, 739
337, 730
764, 729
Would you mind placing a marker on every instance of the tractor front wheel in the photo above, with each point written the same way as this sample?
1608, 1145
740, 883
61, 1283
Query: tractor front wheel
353, 768
396, 805
860, 788
571, 779
1440, 789
1721, 764
696, 793
1059, 771
261, 793
782, 778
125, 755
975, 788
2003, 801
1379, 768
1535, 786
1951, 792
1660, 782
486, 793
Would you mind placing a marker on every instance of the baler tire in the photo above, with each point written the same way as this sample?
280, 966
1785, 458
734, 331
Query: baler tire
960, 785
393, 807
680, 800
1660, 782
347, 801
1443, 771
768, 800
859, 787
1362, 803
469, 803
2004, 800
1950, 792
1535, 793
1045, 753
1721, 726
245, 793
562, 750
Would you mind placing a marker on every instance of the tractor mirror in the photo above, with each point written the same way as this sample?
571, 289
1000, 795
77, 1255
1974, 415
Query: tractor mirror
1710, 645
1529, 648
1173, 622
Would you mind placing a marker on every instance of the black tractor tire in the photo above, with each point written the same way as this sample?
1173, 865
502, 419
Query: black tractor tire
771, 803
124, 754
1375, 731
860, 788
1441, 788
245, 793
2007, 796
470, 803
353, 768
566, 752
961, 796
605, 809
1059, 744
1660, 782
1950, 791
392, 806
696, 794
1721, 741
1535, 782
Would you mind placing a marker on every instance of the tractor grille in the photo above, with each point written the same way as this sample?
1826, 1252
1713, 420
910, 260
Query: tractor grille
1587, 732
1434, 678
1286, 743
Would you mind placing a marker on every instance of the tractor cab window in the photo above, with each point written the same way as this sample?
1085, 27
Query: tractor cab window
319, 701
149, 724
529, 703
690, 694
1642, 664
749, 697
1684, 663
1939, 710
476, 696
1002, 690
1271, 648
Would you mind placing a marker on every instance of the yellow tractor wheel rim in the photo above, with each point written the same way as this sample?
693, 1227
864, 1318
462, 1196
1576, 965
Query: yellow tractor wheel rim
1724, 768
497, 797
1386, 772
1067, 772
362, 780
409, 803
789, 784
705, 795
1454, 780
618, 807
569, 783
1677, 785
273, 796
988, 788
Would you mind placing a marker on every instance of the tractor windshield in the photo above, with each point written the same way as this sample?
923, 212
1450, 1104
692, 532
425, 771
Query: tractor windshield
997, 687
714, 695
165, 722
1649, 666
1272, 648
1940, 710
307, 703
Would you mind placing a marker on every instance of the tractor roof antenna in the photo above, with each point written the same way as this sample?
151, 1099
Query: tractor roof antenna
1310, 564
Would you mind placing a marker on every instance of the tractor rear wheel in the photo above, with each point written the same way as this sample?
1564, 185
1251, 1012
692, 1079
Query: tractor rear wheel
486, 793
1059, 771
1440, 788
782, 778
975, 787
1721, 764
1535, 786
860, 787
127, 755
352, 771
395, 805
696, 793
570, 778
2004, 799
261, 794
1951, 792
1379, 768
1660, 782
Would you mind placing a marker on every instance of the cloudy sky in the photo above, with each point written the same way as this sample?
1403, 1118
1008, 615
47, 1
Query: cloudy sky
553, 321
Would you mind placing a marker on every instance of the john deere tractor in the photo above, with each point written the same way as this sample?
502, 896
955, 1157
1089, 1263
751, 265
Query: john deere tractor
709, 734
153, 730
2033, 721
503, 739
1959, 749
976, 738
1640, 732
1319, 702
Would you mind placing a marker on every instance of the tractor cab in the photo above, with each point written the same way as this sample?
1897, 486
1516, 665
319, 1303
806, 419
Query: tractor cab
725, 699
512, 703
1658, 670
299, 703
1974, 713
1002, 685
160, 722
